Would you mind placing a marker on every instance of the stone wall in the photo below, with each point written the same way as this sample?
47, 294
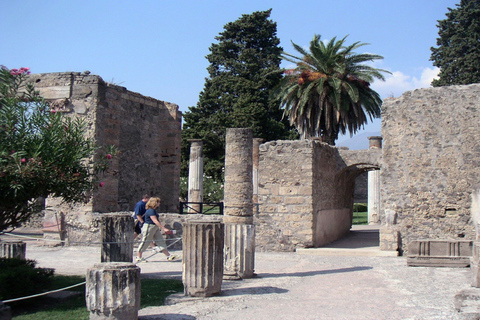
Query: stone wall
431, 162
146, 131
284, 220
306, 191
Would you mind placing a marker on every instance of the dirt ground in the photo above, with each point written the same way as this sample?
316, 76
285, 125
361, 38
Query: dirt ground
294, 285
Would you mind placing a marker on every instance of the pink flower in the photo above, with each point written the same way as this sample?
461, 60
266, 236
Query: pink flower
101, 184
23, 160
108, 156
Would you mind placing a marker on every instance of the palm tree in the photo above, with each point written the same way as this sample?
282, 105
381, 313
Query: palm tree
328, 91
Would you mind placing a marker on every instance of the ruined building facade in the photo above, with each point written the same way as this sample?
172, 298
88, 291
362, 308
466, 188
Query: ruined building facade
428, 166
146, 132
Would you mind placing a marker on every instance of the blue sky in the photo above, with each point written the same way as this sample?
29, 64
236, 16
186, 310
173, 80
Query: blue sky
158, 48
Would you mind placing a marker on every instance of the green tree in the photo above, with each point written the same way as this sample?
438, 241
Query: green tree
328, 92
458, 46
42, 152
244, 69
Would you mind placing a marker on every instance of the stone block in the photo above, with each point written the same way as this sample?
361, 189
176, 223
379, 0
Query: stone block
389, 239
439, 253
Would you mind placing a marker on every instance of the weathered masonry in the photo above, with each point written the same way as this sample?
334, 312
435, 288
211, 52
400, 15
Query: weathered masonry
306, 192
429, 173
431, 162
146, 131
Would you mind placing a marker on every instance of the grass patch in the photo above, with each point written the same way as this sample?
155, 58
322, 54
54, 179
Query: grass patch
154, 292
360, 218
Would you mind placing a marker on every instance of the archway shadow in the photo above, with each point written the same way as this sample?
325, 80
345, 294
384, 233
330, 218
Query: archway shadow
252, 291
313, 273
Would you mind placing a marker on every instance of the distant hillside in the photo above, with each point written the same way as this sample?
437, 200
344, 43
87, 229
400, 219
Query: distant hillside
358, 142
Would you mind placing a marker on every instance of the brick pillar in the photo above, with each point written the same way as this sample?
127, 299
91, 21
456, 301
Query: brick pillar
238, 215
195, 175
13, 249
113, 291
117, 238
203, 258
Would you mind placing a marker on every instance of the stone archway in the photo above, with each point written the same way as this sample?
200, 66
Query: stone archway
305, 192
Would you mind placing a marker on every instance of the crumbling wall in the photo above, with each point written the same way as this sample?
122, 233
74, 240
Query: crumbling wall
431, 162
146, 131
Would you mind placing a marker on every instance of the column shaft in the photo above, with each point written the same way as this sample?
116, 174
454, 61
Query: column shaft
117, 238
238, 218
195, 175
374, 197
203, 243
113, 291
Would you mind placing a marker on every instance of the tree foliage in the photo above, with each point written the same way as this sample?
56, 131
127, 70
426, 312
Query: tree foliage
42, 152
458, 46
243, 71
328, 92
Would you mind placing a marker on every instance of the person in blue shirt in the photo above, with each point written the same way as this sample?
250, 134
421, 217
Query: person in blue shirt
139, 213
152, 231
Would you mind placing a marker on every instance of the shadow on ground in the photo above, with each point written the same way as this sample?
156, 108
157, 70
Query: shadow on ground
312, 273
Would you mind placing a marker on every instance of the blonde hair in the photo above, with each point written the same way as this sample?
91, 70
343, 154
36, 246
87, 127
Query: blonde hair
153, 203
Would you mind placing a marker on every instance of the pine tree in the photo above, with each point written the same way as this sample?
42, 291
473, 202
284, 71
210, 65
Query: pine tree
244, 68
458, 51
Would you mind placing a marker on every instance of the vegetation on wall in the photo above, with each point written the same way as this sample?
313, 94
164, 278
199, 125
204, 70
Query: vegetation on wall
458, 46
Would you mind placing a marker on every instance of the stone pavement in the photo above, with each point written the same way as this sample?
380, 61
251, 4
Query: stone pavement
298, 286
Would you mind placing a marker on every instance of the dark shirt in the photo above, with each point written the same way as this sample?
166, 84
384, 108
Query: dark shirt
140, 208
148, 214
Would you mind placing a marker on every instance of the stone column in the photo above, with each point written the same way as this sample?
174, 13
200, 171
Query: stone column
113, 291
203, 258
256, 159
238, 216
374, 197
195, 175
375, 142
117, 237
13, 249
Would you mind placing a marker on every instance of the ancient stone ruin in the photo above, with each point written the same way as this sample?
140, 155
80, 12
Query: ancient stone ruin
146, 132
420, 181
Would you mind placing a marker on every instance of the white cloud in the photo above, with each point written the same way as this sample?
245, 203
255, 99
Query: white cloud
398, 82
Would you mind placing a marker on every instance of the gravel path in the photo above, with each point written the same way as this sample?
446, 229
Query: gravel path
297, 286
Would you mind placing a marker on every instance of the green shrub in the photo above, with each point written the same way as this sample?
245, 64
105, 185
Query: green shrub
360, 207
19, 278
